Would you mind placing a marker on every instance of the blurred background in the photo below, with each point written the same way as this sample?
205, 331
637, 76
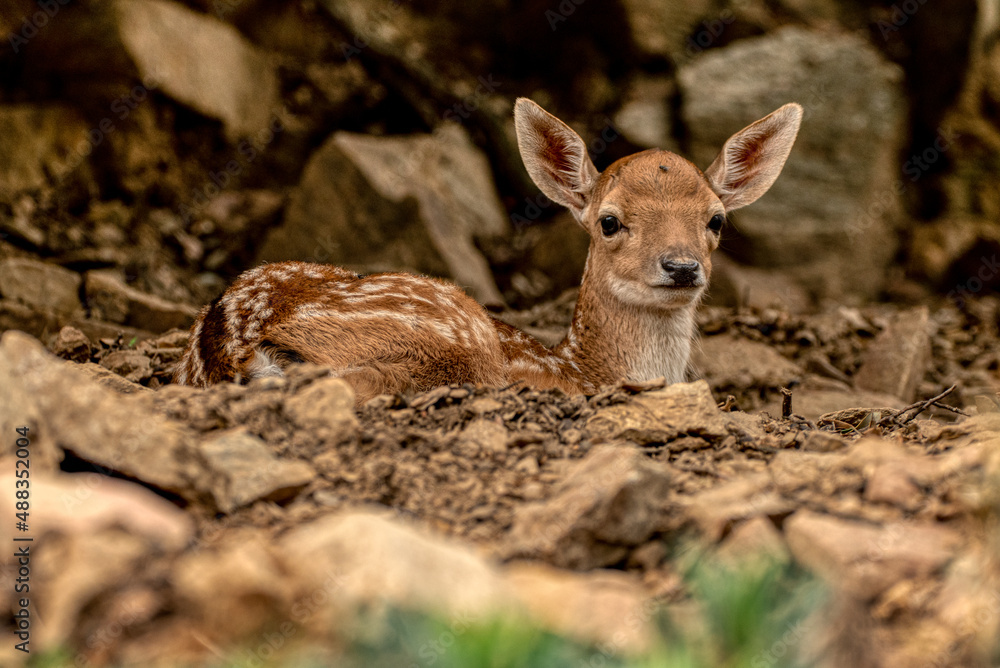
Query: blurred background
163, 146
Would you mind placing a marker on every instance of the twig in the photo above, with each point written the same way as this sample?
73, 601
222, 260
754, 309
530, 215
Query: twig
921, 406
727, 406
950, 408
786, 403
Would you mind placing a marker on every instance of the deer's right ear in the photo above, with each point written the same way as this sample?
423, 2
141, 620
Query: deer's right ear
554, 155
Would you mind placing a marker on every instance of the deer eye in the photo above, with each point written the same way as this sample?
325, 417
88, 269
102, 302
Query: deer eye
716, 223
610, 225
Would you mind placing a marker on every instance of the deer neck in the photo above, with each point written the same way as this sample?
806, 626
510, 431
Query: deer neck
610, 340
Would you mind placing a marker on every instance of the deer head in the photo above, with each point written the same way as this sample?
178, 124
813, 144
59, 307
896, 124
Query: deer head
653, 217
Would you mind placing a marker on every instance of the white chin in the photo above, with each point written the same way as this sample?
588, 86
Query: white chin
641, 294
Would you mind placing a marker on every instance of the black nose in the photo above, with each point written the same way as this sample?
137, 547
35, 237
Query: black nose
683, 274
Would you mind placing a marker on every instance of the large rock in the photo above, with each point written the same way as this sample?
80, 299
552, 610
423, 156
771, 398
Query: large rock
201, 62
662, 415
897, 359
65, 410
194, 58
605, 607
732, 361
247, 470
866, 560
611, 501
715, 511
374, 560
829, 216
410, 203
109, 298
41, 285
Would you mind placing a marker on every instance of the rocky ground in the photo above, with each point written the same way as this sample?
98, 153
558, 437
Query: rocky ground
160, 513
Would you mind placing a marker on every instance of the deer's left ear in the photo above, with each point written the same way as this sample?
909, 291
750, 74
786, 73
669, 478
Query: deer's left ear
752, 158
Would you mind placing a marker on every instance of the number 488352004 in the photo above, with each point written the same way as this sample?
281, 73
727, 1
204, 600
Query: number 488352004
21, 470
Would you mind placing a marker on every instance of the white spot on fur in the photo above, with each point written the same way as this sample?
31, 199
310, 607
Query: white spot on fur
262, 365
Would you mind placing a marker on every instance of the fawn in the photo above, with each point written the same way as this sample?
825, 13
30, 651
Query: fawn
653, 219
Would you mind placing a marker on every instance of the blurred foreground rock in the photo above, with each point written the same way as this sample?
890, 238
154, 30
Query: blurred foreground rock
610, 502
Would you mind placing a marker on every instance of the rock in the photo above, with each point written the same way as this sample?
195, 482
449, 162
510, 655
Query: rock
897, 475
732, 361
794, 471
65, 410
41, 285
756, 537
190, 56
111, 299
129, 364
110, 379
240, 574
662, 28
741, 286
839, 184
897, 359
395, 203
89, 503
15, 315
71, 344
662, 415
200, 61
34, 141
612, 500
360, 551
325, 408
644, 116
891, 483
822, 441
866, 560
484, 436
716, 510
78, 569
602, 607
245, 470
